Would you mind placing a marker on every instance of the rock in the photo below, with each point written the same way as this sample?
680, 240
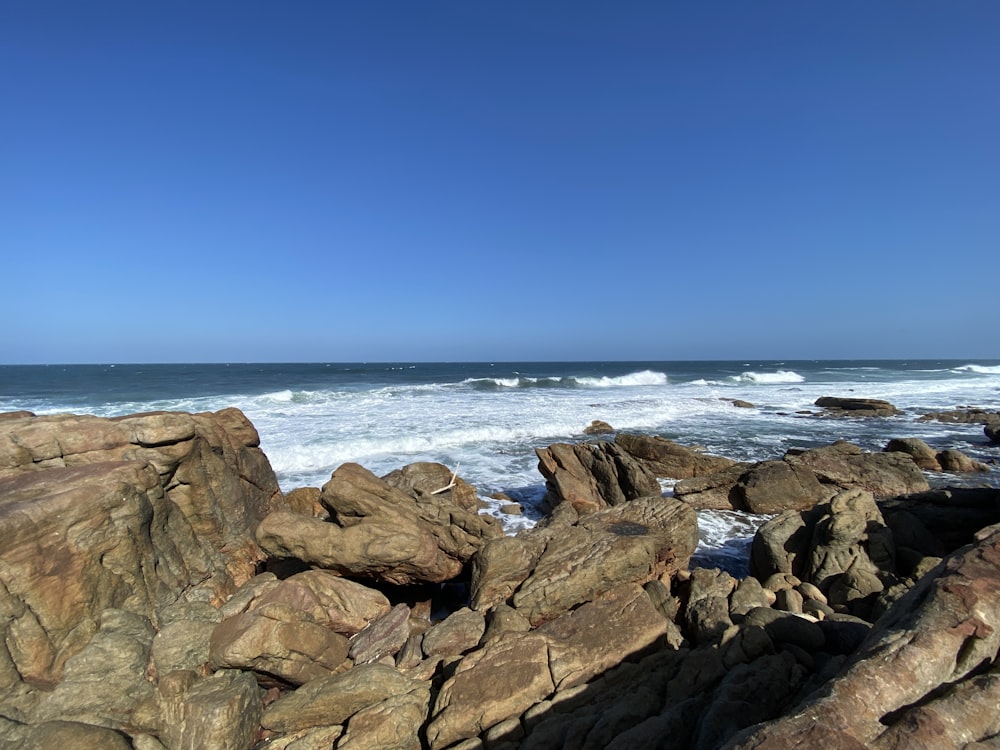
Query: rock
857, 407
742, 404
424, 480
618, 625
667, 459
590, 477
461, 631
711, 491
392, 724
992, 432
938, 521
384, 637
967, 415
956, 462
184, 639
106, 681
597, 427
774, 486
782, 543
511, 509
221, 712
497, 682
304, 500
129, 513
847, 466
706, 615
922, 454
378, 532
333, 700
937, 638
550, 570
278, 641
342, 605
73, 735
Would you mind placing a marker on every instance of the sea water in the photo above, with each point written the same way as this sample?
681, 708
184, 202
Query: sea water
485, 420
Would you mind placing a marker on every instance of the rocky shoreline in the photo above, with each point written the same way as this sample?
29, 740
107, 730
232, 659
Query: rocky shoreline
159, 590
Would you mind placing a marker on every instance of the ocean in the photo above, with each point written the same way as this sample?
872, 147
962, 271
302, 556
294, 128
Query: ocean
486, 419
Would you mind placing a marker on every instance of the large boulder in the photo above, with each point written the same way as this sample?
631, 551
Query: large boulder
856, 407
667, 459
592, 476
556, 567
131, 513
848, 466
379, 532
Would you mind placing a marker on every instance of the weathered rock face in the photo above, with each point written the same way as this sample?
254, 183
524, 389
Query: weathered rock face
857, 407
940, 635
590, 477
992, 432
129, 513
551, 569
378, 532
949, 460
425, 479
802, 479
667, 459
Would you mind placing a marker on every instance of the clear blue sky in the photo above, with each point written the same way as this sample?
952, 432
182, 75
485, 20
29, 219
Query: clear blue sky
400, 180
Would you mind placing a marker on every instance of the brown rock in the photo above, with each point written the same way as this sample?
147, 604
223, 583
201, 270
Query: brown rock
916, 449
857, 407
499, 681
847, 466
221, 712
773, 486
937, 636
711, 491
384, 637
337, 603
379, 532
956, 462
461, 631
278, 641
426, 479
333, 700
666, 458
590, 477
597, 427
553, 569
74, 735
125, 513
620, 624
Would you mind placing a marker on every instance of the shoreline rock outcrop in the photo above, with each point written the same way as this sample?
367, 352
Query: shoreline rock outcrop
160, 593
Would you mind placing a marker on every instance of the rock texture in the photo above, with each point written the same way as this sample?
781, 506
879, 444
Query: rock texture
138, 612
667, 459
591, 476
130, 513
803, 478
856, 407
376, 531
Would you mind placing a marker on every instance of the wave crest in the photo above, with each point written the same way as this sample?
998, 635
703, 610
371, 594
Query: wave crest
980, 369
770, 378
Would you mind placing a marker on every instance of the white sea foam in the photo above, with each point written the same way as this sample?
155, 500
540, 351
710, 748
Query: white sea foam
645, 377
771, 378
980, 369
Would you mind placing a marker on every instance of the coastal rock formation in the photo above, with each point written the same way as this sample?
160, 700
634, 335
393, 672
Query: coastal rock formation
376, 531
591, 476
856, 407
131, 513
967, 415
941, 689
949, 460
669, 460
992, 432
803, 478
586, 631
573, 559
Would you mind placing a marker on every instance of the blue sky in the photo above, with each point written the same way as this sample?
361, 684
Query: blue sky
373, 181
